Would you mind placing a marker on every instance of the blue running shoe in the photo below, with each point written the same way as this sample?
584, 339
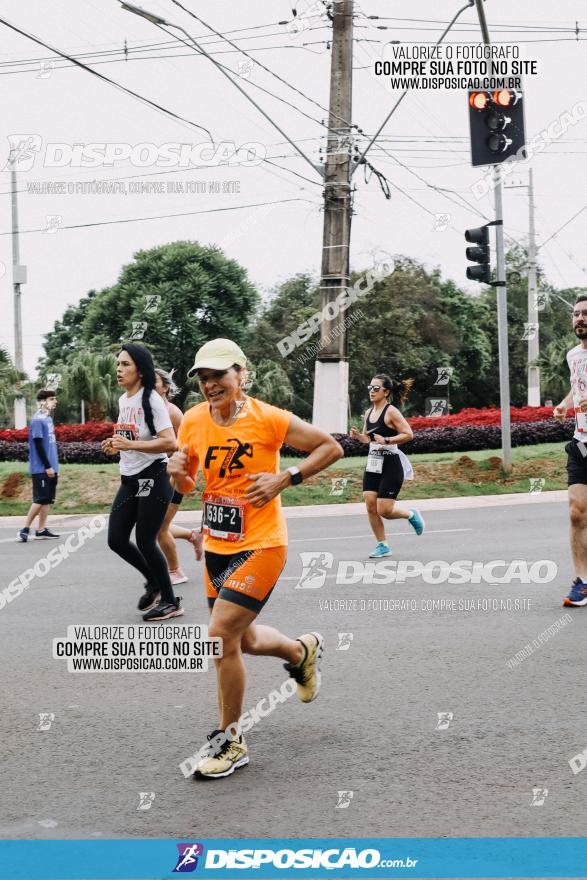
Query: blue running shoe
417, 521
578, 594
382, 549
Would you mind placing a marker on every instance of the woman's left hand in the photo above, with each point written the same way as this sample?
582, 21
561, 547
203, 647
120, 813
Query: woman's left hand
266, 487
378, 438
121, 443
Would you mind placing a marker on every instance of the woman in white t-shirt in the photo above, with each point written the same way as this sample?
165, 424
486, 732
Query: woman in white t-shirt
143, 435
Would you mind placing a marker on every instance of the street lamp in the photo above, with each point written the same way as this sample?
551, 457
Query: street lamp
144, 13
157, 20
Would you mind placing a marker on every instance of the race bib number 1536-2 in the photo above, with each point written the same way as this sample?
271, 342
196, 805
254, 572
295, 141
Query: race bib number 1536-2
224, 517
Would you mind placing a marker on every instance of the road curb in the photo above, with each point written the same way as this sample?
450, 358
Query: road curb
356, 509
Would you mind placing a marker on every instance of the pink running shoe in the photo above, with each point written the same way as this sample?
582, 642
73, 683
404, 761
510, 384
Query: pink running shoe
177, 577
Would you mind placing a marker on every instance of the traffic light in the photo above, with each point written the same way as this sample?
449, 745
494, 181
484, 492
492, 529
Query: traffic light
479, 254
496, 121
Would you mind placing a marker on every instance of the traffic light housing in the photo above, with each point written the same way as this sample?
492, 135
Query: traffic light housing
479, 254
496, 121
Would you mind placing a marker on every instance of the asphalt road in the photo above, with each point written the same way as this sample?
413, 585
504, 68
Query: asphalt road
373, 730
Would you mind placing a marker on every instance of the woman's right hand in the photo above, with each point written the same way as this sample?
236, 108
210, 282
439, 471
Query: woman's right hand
177, 466
107, 446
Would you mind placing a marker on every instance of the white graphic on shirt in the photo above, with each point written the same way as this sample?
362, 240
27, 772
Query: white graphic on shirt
577, 361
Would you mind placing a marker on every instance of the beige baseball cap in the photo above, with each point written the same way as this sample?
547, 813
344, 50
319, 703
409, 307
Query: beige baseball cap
218, 354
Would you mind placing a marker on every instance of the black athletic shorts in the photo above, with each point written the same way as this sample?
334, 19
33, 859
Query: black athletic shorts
176, 498
576, 462
44, 488
388, 483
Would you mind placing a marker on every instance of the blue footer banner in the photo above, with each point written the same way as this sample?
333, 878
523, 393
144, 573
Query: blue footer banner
293, 857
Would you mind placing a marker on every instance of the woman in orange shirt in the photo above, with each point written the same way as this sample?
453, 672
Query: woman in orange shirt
235, 440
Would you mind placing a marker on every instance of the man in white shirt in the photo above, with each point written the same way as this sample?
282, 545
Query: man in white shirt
577, 452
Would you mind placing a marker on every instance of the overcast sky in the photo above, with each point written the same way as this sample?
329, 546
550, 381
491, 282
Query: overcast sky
429, 134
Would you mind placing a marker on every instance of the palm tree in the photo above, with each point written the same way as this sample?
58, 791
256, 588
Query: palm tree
91, 377
9, 377
554, 373
271, 383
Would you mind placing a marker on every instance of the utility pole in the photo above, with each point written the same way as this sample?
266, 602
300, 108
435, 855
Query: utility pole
533, 315
331, 373
18, 278
501, 296
533, 322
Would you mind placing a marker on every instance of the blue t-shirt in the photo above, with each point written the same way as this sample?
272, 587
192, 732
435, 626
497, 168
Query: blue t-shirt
42, 426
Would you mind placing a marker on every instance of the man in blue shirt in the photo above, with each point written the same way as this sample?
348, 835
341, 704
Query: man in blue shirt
43, 465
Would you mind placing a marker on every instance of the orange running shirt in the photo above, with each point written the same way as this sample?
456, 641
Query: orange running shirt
225, 455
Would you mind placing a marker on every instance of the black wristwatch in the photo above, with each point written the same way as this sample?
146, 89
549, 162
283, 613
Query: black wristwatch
296, 477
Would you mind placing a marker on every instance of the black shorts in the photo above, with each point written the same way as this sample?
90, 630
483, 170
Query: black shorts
576, 462
388, 483
44, 488
176, 498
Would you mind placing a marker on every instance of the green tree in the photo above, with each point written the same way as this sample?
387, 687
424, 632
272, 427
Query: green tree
554, 321
411, 323
179, 295
554, 371
67, 337
91, 377
9, 376
271, 383
291, 304
407, 325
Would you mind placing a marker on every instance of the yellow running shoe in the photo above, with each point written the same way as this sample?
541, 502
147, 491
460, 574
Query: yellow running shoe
231, 756
307, 672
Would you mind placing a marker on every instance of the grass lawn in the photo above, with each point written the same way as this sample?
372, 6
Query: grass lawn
90, 488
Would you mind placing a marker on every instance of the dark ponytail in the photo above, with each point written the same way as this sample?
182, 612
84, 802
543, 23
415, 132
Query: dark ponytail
398, 388
143, 361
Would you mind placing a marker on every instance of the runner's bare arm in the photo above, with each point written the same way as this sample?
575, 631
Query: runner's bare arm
360, 435
394, 419
323, 448
560, 411
323, 451
164, 442
176, 415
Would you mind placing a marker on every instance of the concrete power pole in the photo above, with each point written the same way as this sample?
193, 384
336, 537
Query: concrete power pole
331, 375
533, 324
18, 278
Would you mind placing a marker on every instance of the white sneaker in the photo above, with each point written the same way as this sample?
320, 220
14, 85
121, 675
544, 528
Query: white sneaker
177, 577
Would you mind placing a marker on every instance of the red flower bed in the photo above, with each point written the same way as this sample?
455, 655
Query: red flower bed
90, 431
485, 416
95, 431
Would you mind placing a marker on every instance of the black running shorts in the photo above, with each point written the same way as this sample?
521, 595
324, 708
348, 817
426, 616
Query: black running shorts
576, 462
388, 483
44, 488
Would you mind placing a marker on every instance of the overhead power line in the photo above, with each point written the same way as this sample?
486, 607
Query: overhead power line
255, 61
570, 220
227, 74
162, 216
147, 101
107, 79
403, 95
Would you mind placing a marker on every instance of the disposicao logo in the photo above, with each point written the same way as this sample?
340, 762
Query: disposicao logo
187, 859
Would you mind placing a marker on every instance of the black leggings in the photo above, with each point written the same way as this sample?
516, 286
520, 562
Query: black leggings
145, 510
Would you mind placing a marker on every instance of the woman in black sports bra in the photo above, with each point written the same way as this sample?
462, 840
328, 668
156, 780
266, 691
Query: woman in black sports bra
385, 428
